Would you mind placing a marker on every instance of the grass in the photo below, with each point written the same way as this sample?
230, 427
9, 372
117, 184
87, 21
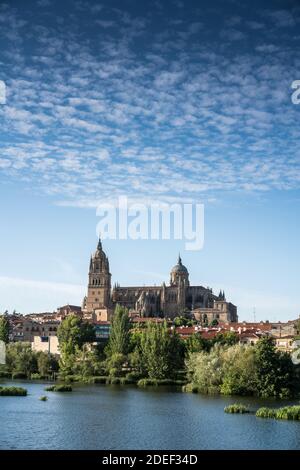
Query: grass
35, 377
286, 412
191, 388
59, 388
237, 408
148, 382
13, 392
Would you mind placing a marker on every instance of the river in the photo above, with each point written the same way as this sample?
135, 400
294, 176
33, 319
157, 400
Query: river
126, 417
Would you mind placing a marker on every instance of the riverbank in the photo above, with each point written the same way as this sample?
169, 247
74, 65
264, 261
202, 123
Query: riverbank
105, 379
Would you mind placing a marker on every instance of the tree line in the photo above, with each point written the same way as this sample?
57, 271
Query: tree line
156, 353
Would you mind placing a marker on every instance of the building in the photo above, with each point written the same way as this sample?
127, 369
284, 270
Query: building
24, 328
48, 344
66, 310
169, 301
102, 330
284, 343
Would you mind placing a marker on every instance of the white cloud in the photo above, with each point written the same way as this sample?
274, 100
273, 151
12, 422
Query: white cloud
38, 295
88, 120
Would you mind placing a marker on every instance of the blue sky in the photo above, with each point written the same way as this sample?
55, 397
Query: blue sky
163, 100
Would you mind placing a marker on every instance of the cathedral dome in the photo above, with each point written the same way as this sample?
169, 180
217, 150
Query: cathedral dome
179, 267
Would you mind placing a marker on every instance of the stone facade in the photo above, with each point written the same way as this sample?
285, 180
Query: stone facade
178, 298
47, 344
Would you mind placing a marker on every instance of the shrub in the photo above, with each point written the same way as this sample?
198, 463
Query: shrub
114, 380
237, 408
286, 412
289, 412
127, 381
35, 377
265, 413
13, 392
99, 380
113, 372
43, 398
190, 388
19, 375
59, 388
5, 375
134, 376
146, 382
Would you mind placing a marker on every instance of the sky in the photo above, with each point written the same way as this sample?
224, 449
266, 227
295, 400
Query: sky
172, 101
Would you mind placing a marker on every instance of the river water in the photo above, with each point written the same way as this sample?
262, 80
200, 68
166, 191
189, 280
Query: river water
126, 417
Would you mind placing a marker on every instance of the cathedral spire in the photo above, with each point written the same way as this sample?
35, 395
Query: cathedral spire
179, 260
99, 246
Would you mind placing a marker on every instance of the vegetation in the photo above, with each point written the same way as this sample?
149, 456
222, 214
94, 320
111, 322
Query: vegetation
59, 388
183, 321
43, 398
265, 412
5, 374
237, 408
35, 376
155, 382
275, 372
119, 339
242, 370
195, 343
4, 329
13, 392
23, 363
162, 353
155, 355
73, 333
286, 412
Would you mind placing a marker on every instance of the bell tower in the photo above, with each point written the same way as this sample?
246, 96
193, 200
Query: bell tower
99, 287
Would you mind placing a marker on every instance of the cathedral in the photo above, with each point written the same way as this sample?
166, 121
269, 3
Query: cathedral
168, 301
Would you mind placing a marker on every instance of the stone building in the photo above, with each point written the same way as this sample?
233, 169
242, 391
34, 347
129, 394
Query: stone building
169, 301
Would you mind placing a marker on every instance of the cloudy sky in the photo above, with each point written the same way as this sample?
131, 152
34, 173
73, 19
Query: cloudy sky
156, 100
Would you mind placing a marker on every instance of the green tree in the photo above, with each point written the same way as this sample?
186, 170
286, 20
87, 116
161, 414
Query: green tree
274, 370
161, 352
119, 340
195, 343
238, 364
46, 363
176, 354
115, 363
4, 329
73, 333
180, 321
228, 338
87, 363
205, 371
242, 370
20, 358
